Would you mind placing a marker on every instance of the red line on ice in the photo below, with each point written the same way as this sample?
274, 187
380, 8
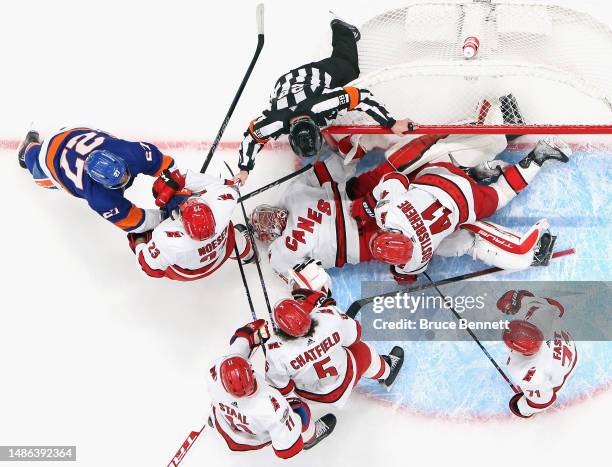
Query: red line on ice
195, 145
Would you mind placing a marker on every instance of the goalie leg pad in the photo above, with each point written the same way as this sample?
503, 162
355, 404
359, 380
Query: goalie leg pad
471, 150
503, 248
459, 243
410, 153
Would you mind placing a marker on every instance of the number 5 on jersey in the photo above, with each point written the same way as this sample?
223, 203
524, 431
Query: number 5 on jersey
323, 372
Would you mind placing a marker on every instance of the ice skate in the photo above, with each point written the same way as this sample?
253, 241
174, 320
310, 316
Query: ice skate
395, 359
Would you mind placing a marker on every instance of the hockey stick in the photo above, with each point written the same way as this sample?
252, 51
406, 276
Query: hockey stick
193, 436
180, 454
254, 245
275, 183
359, 304
259, 13
244, 281
473, 336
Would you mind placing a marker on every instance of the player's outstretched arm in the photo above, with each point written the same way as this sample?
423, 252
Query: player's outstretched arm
269, 125
248, 337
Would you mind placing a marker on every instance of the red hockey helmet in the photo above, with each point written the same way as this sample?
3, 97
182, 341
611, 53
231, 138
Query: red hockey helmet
523, 337
292, 317
237, 376
198, 219
391, 247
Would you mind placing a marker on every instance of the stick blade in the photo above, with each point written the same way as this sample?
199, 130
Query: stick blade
259, 15
354, 308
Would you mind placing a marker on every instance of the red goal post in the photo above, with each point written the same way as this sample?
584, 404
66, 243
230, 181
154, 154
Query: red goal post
475, 129
554, 61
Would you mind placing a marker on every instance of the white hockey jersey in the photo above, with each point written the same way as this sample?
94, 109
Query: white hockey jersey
542, 375
426, 210
317, 367
254, 422
173, 254
319, 223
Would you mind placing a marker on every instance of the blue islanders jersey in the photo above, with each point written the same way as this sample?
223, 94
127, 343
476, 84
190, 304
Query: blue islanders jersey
59, 163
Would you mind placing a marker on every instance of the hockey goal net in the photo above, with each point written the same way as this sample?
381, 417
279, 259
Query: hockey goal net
554, 61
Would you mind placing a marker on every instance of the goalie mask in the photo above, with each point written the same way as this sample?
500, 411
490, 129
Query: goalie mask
305, 137
268, 222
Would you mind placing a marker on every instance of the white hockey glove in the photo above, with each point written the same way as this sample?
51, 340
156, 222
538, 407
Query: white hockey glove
309, 275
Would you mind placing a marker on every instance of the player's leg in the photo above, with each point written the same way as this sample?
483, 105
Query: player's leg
516, 178
500, 246
401, 157
371, 365
301, 408
343, 64
406, 157
31, 139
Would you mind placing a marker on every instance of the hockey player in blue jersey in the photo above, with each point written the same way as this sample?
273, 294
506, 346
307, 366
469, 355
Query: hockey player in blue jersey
98, 167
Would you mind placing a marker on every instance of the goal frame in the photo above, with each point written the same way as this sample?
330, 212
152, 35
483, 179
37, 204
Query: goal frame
421, 68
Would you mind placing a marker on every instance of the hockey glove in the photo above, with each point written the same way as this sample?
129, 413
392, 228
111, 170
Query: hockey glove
362, 209
510, 302
313, 299
309, 275
167, 185
402, 278
136, 238
255, 332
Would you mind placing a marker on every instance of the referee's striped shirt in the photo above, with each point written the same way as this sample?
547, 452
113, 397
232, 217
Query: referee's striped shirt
305, 91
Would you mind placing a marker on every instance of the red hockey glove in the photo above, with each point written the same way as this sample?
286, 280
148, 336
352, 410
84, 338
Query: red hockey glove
401, 278
134, 237
313, 299
167, 185
513, 404
362, 210
510, 302
256, 332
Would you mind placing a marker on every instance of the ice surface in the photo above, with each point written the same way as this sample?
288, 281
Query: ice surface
571, 197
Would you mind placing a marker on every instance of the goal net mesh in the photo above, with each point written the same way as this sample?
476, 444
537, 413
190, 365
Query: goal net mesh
554, 61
